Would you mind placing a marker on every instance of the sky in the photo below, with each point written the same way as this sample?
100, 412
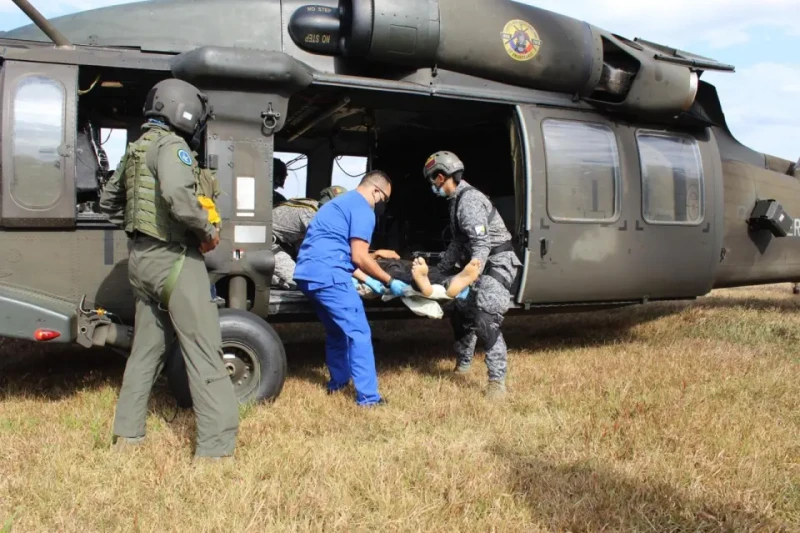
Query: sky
761, 100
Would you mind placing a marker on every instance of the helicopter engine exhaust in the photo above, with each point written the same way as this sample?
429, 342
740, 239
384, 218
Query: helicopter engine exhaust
508, 42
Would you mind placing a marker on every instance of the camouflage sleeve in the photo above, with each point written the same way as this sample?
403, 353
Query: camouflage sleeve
306, 215
449, 259
173, 163
474, 222
112, 199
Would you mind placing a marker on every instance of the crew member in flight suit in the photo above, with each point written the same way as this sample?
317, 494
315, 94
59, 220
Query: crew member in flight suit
478, 233
289, 225
155, 195
279, 173
336, 243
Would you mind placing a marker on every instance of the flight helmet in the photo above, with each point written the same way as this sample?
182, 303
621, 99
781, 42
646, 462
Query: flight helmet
329, 193
180, 104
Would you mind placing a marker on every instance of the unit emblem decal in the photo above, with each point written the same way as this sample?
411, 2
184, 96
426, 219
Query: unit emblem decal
521, 40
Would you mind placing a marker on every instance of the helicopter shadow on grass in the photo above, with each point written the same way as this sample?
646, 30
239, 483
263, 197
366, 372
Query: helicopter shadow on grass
422, 344
53, 372
586, 497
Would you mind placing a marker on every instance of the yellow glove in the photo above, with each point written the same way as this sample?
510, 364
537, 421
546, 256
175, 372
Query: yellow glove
208, 205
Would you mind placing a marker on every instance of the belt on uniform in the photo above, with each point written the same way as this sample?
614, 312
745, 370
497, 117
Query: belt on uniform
499, 249
510, 286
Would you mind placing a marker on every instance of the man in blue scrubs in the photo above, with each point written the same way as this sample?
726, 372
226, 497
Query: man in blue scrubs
336, 243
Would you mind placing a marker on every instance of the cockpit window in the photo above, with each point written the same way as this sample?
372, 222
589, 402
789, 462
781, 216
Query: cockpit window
38, 122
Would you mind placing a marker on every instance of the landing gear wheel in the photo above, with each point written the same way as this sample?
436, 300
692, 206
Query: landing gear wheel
252, 353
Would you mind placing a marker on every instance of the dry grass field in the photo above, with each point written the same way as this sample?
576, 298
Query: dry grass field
665, 417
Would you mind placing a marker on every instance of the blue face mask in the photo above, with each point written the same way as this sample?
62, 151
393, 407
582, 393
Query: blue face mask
438, 191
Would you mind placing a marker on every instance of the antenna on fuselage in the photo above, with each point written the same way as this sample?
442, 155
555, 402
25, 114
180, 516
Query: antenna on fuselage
37, 18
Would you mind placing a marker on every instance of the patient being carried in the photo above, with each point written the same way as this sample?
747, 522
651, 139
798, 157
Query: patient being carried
431, 284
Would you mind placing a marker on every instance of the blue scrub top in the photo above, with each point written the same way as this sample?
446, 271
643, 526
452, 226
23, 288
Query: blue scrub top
324, 257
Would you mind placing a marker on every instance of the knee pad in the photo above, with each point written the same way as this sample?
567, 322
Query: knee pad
487, 326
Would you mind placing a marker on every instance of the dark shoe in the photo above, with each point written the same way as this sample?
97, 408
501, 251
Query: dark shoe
380, 403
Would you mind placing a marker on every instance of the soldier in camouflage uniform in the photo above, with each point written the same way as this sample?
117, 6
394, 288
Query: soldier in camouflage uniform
478, 233
289, 225
158, 196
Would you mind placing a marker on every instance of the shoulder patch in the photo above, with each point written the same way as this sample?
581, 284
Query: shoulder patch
185, 158
480, 230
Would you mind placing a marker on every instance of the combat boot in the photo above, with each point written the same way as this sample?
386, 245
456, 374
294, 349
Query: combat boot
462, 368
124, 444
205, 459
496, 390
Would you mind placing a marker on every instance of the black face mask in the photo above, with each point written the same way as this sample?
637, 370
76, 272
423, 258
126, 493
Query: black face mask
196, 140
380, 208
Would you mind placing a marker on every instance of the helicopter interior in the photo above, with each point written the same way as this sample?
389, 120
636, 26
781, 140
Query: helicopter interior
392, 132
396, 133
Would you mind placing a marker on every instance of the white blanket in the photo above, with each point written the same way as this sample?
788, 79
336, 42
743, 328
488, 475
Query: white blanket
419, 304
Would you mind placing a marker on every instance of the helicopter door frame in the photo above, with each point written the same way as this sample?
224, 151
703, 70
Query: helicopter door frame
33, 206
521, 164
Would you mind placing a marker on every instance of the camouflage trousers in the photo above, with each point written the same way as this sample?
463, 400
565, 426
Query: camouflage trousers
283, 276
479, 317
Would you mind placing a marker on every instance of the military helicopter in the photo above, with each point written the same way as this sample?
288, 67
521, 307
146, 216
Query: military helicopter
608, 158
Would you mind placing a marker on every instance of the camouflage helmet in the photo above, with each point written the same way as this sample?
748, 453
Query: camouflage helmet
180, 104
446, 163
329, 193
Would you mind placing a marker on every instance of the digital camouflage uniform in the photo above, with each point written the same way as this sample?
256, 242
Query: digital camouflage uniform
480, 315
289, 225
154, 196
290, 222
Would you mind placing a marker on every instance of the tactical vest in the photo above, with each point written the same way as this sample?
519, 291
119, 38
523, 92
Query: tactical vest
460, 233
301, 203
146, 211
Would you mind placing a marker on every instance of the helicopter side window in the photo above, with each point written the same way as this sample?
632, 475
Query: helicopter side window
583, 171
672, 178
113, 143
297, 176
348, 171
38, 122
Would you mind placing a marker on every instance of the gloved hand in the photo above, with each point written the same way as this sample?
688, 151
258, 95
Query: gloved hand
376, 286
397, 287
463, 294
355, 282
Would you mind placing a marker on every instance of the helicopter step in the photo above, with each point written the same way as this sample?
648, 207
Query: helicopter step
96, 327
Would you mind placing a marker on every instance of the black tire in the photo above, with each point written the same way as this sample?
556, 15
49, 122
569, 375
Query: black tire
253, 353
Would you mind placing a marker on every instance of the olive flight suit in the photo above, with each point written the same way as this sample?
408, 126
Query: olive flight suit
154, 196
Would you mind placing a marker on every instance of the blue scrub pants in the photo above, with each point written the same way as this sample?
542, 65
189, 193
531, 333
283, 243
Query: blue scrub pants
348, 341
